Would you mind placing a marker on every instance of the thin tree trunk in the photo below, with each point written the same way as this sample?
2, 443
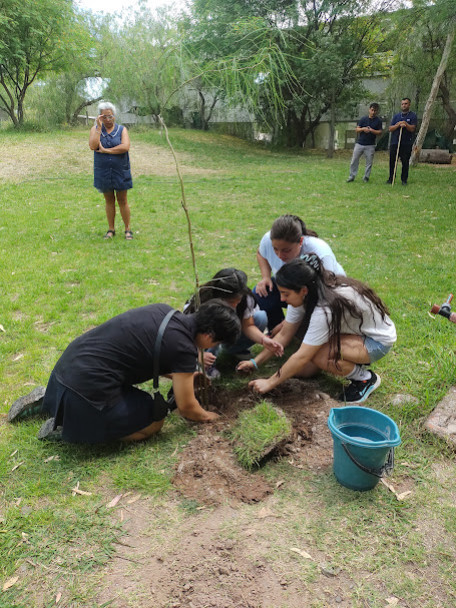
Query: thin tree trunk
74, 117
203, 111
450, 111
332, 127
432, 96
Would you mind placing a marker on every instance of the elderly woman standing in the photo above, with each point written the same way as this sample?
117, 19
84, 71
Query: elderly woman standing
112, 176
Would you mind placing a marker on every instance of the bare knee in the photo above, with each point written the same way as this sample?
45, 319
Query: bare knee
145, 433
109, 197
121, 197
309, 370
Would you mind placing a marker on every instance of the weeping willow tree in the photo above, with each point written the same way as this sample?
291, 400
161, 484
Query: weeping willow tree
288, 62
145, 63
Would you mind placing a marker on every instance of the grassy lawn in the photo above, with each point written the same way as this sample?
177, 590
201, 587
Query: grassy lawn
59, 278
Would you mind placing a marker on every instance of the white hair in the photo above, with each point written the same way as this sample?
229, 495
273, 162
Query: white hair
105, 105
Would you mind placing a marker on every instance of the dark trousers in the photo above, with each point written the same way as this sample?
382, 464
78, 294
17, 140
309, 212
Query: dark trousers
272, 305
405, 152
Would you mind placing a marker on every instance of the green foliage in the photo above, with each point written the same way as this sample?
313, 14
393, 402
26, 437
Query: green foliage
287, 64
257, 431
61, 96
144, 61
420, 39
35, 38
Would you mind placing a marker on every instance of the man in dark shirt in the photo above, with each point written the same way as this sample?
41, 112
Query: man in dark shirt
403, 127
91, 392
368, 128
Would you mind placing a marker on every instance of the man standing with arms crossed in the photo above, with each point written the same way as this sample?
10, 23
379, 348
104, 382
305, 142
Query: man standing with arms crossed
402, 129
368, 128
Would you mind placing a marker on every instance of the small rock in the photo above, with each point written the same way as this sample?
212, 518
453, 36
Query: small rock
329, 570
322, 395
223, 570
402, 399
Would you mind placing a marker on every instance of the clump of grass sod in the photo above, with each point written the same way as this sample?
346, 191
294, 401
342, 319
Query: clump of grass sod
257, 432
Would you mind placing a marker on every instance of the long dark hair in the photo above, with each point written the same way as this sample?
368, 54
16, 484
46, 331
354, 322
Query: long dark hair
226, 284
290, 228
322, 285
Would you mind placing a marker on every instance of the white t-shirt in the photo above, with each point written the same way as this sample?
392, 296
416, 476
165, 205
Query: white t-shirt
251, 307
310, 244
373, 326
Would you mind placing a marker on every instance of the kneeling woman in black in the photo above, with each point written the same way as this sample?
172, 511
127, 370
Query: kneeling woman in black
91, 396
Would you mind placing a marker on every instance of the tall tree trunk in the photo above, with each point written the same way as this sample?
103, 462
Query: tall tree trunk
7, 100
312, 124
294, 129
202, 110
432, 96
332, 127
450, 111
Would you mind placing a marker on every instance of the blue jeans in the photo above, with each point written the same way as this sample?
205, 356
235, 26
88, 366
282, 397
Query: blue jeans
272, 305
376, 350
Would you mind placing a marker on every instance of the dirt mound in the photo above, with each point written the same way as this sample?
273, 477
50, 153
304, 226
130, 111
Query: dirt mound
208, 471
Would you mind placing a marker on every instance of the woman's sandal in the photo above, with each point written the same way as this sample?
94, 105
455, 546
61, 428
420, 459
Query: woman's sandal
110, 234
129, 235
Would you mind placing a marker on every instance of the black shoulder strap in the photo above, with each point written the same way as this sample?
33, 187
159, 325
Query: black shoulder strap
158, 341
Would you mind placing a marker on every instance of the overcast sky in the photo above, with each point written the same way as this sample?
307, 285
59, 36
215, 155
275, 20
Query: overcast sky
103, 6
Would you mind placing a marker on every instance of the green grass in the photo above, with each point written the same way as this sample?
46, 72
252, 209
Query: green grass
58, 278
257, 431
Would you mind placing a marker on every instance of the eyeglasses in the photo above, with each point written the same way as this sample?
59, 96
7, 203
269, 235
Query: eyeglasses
106, 116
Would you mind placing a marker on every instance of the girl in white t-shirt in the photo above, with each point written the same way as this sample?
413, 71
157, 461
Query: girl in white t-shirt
289, 238
346, 326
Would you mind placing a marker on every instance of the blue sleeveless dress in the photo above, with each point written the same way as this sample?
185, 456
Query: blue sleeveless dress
111, 171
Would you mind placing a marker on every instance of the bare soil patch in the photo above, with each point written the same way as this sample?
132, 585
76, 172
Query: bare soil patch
30, 159
220, 555
218, 558
208, 471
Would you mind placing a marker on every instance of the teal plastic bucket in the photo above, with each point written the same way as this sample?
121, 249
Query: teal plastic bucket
364, 442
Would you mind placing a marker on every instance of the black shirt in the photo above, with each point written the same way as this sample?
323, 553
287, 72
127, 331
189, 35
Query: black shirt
120, 353
368, 139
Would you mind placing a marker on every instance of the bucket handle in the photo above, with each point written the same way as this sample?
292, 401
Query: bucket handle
385, 469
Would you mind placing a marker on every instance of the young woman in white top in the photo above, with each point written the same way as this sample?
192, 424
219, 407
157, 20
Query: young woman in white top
289, 238
346, 328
